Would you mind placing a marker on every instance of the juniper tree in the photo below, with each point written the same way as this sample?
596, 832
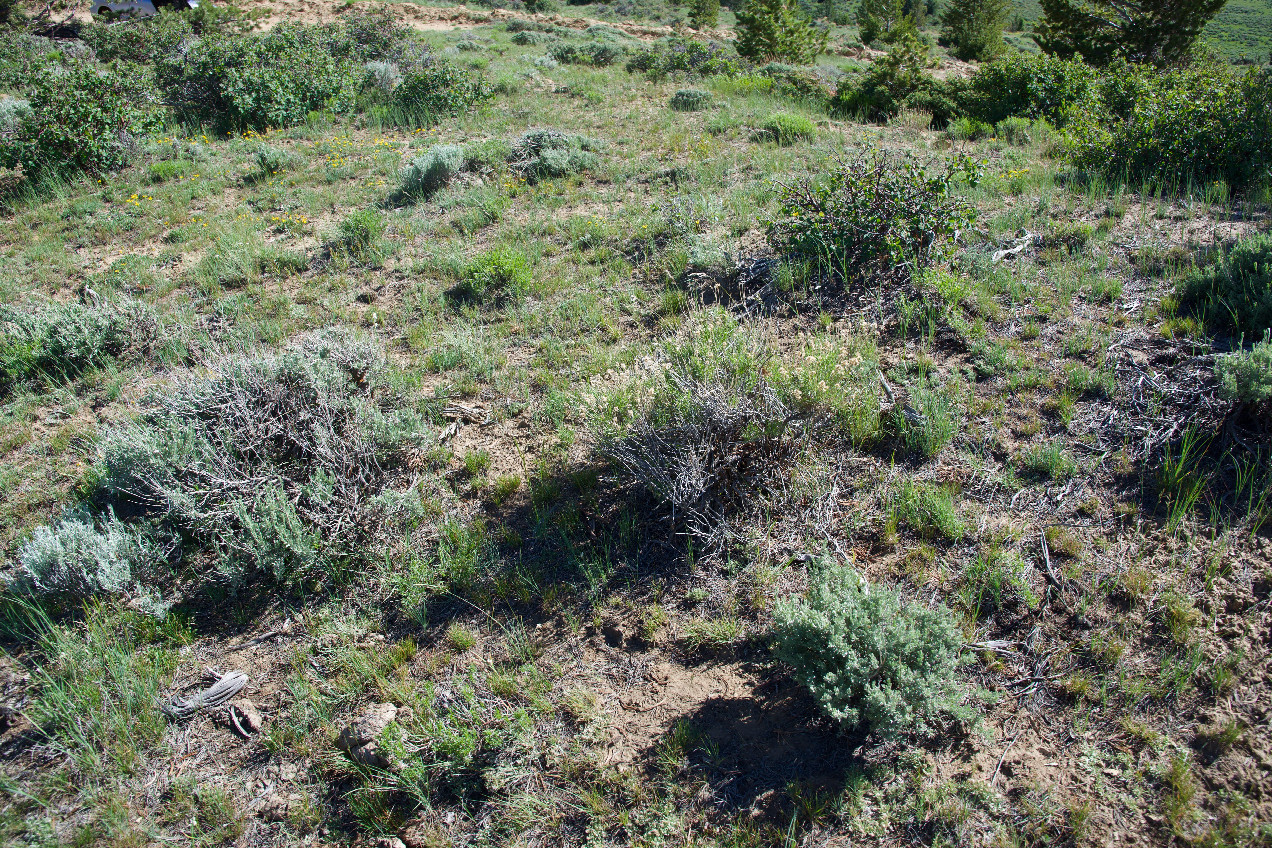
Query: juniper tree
1160, 32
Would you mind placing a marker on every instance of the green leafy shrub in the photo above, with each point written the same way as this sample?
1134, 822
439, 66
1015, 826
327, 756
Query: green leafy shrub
1029, 87
546, 153
62, 341
1246, 376
73, 560
873, 217
786, 129
499, 273
687, 55
81, 119
777, 30
431, 171
271, 460
870, 659
1196, 124
257, 81
690, 100
437, 90
1236, 292
145, 40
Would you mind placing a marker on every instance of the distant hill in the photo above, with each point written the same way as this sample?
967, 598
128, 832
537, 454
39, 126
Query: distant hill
1244, 27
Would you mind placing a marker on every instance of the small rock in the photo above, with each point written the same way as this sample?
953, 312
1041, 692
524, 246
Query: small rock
360, 740
367, 728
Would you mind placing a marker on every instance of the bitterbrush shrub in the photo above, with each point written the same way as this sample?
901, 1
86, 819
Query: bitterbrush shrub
690, 100
869, 658
874, 218
271, 461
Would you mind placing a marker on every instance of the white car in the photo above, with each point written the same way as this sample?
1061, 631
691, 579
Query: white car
140, 8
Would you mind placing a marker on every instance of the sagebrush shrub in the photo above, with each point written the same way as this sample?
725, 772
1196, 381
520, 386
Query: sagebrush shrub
271, 460
875, 217
869, 658
62, 341
74, 560
432, 170
690, 100
383, 76
1246, 376
706, 432
546, 153
529, 38
1235, 293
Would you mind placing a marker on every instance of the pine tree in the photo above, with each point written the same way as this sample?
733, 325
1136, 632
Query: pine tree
888, 20
975, 27
704, 14
1160, 32
776, 30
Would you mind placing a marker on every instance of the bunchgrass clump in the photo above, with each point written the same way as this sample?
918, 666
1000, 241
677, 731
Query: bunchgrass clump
785, 128
360, 236
870, 659
929, 510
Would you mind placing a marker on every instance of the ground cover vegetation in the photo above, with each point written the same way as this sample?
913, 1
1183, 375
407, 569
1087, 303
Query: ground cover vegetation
570, 429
